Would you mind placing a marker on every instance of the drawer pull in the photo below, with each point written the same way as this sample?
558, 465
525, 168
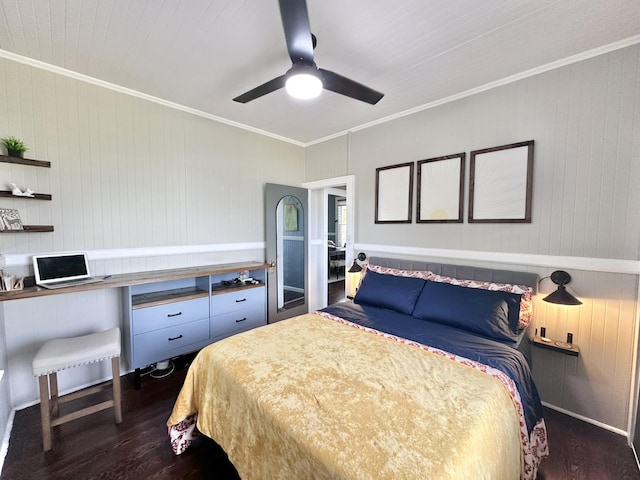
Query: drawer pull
175, 338
174, 314
242, 300
241, 320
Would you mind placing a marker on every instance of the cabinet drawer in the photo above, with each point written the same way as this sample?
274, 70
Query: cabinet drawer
161, 316
232, 322
237, 300
161, 344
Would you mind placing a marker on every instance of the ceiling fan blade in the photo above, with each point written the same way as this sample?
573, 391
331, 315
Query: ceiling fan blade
297, 31
350, 88
259, 91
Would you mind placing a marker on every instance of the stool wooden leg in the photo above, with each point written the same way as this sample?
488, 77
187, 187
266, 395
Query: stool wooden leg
117, 392
53, 389
45, 412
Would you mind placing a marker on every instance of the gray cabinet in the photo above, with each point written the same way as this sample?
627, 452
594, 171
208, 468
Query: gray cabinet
237, 310
168, 318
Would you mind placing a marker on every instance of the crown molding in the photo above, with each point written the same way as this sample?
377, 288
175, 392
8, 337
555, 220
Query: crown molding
135, 93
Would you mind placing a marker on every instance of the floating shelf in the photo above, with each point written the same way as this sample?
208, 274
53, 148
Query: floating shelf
548, 343
31, 229
36, 196
25, 161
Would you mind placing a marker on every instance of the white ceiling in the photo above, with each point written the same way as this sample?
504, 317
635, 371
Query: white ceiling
202, 53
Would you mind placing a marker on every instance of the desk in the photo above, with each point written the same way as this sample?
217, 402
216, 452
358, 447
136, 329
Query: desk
34, 315
137, 278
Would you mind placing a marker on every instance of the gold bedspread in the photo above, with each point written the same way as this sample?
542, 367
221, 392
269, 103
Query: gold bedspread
310, 397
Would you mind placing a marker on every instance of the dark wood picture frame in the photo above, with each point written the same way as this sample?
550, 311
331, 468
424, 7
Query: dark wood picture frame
394, 193
501, 184
441, 189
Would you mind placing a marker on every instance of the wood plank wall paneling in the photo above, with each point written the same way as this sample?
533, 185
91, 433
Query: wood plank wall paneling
127, 172
585, 179
596, 384
585, 121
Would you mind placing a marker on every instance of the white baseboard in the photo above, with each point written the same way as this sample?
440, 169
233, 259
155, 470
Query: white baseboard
619, 431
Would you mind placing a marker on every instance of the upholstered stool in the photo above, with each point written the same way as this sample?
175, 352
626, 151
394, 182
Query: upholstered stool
62, 353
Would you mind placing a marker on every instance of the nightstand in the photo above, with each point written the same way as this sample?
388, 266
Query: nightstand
558, 346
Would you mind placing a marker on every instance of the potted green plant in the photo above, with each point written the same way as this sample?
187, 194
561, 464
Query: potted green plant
15, 147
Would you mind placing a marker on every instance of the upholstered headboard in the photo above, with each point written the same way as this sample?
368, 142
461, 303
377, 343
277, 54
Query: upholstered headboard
461, 271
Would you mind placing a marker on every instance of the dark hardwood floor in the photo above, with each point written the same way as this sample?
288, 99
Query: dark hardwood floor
95, 448
335, 292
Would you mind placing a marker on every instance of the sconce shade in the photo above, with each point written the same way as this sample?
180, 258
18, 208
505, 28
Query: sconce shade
355, 268
561, 296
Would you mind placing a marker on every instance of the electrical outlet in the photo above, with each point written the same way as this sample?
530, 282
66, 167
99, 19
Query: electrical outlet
569, 337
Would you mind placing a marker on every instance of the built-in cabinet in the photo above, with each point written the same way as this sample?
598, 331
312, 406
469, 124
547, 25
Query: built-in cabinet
168, 318
36, 196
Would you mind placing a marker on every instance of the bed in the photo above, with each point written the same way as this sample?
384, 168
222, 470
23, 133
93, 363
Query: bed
425, 375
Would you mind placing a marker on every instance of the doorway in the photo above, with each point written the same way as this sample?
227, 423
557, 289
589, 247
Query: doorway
337, 242
319, 234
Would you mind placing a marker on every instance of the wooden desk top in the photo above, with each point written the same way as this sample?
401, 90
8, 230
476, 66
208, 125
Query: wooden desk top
136, 278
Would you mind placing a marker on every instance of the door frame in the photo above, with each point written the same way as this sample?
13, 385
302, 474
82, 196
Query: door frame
319, 191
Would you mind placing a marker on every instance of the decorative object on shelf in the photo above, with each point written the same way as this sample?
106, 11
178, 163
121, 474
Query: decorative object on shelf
561, 296
10, 219
11, 282
15, 147
500, 184
441, 189
394, 193
19, 193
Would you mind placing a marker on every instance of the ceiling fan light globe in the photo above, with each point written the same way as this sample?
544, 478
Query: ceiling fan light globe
303, 86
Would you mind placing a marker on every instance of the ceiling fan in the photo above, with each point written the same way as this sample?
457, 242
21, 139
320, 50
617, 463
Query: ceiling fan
304, 79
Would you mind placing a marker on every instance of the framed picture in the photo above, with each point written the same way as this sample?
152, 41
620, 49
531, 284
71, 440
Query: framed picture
500, 184
441, 189
10, 219
394, 193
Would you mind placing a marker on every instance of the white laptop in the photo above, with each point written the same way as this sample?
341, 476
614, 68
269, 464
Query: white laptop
63, 270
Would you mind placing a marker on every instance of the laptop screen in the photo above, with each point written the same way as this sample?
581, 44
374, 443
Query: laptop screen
68, 266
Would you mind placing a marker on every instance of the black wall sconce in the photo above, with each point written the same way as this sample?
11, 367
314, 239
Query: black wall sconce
561, 296
356, 267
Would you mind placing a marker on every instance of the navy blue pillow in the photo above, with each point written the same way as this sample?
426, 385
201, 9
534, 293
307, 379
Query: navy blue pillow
492, 314
389, 291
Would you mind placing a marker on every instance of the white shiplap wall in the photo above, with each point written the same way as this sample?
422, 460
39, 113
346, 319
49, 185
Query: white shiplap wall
127, 174
585, 120
130, 173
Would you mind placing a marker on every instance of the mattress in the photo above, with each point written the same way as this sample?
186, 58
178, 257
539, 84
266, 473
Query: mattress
319, 396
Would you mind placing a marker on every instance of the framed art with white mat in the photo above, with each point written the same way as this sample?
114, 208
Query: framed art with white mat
500, 184
394, 193
441, 189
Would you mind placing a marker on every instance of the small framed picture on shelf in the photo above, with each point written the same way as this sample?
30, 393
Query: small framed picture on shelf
10, 219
